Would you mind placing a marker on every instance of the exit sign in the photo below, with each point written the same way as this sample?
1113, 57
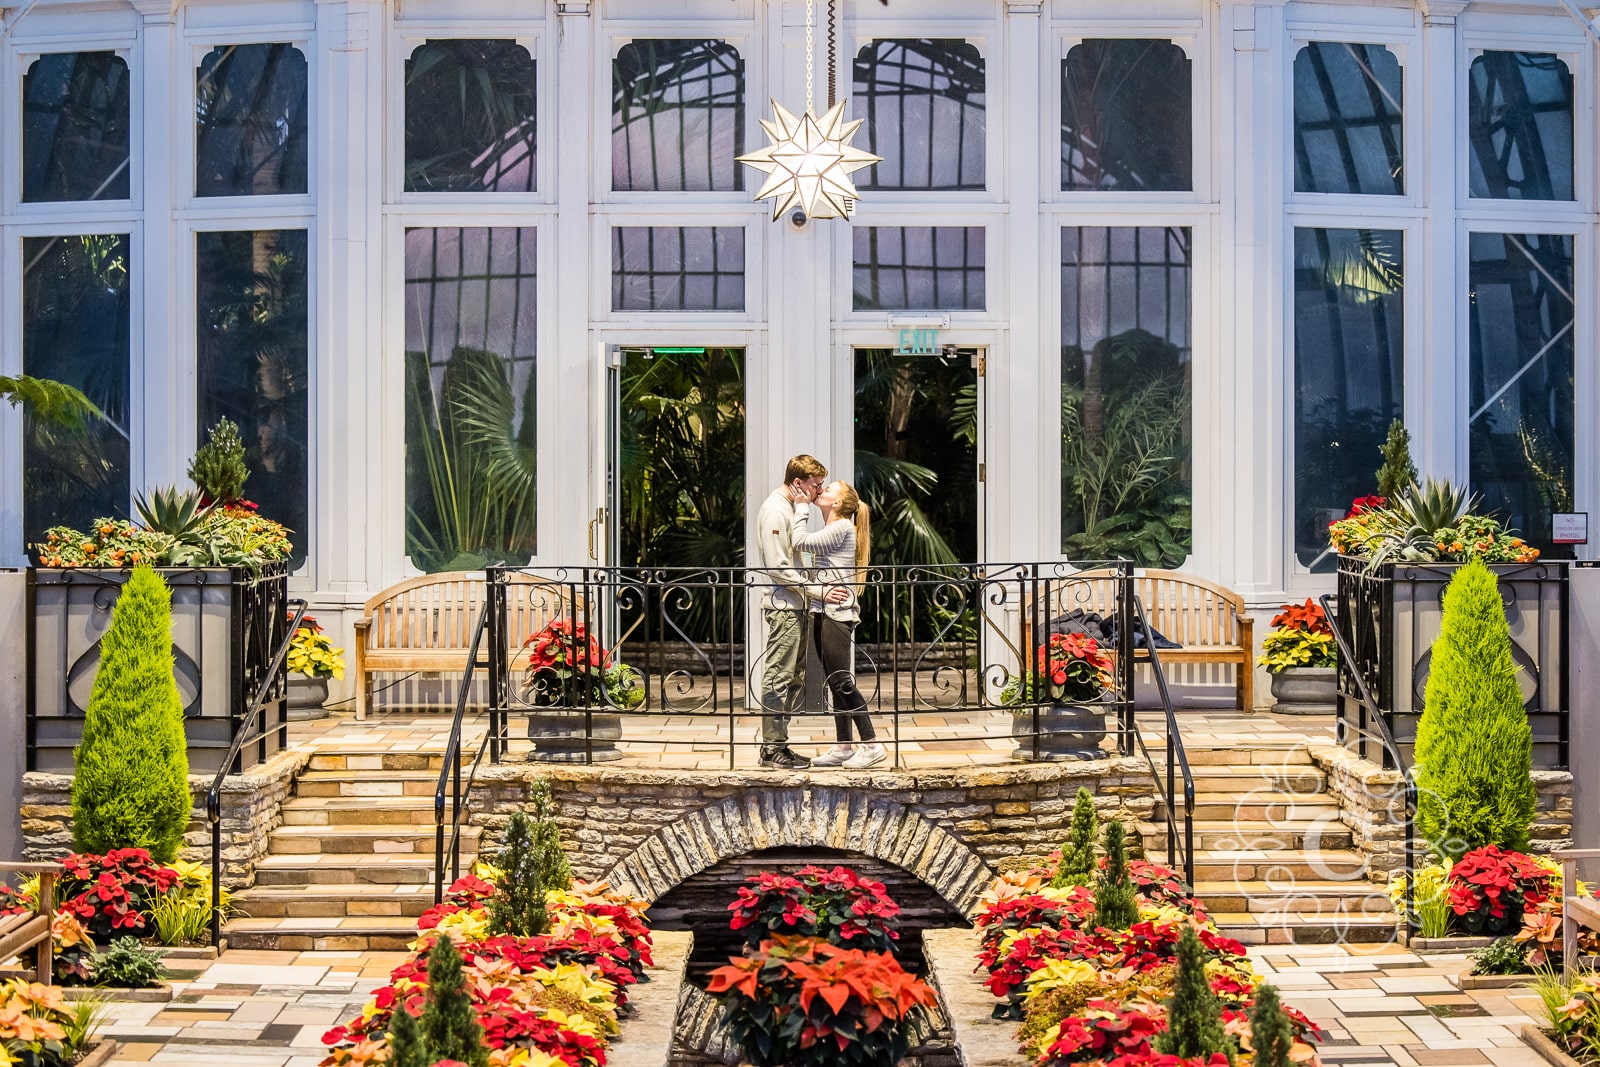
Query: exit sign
918, 342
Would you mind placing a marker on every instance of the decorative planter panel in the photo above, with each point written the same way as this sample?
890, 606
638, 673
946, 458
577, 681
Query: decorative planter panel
1391, 618
226, 622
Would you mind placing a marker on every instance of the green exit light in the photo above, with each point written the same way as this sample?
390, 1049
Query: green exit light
678, 351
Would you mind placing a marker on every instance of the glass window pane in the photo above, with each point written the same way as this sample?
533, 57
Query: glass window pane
75, 329
1519, 126
923, 102
1125, 390
250, 121
75, 127
1521, 350
1125, 116
471, 409
677, 116
677, 268
251, 354
1349, 368
1347, 119
470, 118
919, 267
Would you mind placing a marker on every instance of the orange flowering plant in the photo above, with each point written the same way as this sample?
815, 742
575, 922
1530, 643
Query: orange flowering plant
223, 536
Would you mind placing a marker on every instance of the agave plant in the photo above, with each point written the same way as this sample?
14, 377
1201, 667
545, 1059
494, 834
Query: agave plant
1434, 504
178, 514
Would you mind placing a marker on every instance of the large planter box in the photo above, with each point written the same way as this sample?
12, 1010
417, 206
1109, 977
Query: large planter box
226, 622
1391, 618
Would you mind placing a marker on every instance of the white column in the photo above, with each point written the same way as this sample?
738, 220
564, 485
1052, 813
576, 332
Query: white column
162, 387
353, 552
1242, 472
562, 525
1437, 386
1022, 458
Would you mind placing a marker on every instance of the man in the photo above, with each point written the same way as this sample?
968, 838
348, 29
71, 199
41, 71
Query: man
784, 606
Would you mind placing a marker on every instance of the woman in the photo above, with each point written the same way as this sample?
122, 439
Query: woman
839, 553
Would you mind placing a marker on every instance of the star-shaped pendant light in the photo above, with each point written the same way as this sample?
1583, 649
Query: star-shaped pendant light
810, 160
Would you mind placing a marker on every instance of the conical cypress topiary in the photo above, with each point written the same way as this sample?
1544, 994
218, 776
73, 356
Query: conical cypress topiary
218, 465
531, 863
1194, 1017
1115, 905
449, 1026
1271, 1035
406, 1047
131, 787
1078, 862
1397, 471
1474, 747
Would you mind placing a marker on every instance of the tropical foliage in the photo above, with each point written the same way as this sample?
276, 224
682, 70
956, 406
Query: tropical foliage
1433, 521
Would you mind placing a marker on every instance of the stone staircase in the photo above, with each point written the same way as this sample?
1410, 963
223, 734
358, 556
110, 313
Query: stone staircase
351, 867
1273, 861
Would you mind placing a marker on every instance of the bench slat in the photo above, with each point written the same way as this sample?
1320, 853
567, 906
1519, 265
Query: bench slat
29, 934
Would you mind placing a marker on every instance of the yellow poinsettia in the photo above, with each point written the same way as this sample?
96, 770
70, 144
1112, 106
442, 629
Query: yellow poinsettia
1058, 973
587, 988
523, 1057
462, 927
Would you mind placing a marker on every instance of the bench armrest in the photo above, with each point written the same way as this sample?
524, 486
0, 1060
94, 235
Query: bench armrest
1576, 854
31, 868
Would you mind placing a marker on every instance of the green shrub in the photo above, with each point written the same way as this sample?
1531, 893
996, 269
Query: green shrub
1077, 866
1115, 905
1397, 472
1474, 747
128, 964
180, 917
218, 465
1505, 955
1271, 1034
1194, 1016
531, 862
406, 1047
450, 1029
131, 789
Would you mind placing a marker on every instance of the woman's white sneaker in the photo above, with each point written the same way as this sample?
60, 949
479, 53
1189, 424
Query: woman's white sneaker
866, 756
837, 756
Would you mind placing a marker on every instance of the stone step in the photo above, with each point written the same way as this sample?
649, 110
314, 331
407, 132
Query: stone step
362, 840
359, 811
315, 868
1273, 865
333, 935
1306, 929
1280, 755
353, 759
1258, 834
1236, 895
1244, 777
369, 784
326, 901
1265, 805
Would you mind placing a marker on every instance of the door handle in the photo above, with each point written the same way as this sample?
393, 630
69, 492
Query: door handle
598, 520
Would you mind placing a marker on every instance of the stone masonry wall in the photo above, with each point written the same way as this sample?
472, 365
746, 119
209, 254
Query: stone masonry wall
606, 815
251, 805
1372, 804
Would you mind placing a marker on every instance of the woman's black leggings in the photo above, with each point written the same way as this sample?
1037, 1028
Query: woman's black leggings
831, 638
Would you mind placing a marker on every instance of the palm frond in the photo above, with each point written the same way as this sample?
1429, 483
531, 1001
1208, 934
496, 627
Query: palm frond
52, 402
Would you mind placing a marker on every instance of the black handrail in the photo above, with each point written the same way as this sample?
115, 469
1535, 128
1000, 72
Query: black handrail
242, 737
1177, 758
1347, 664
451, 769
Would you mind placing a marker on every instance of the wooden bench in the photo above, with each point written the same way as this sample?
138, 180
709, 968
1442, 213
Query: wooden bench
1208, 620
1576, 911
31, 930
426, 623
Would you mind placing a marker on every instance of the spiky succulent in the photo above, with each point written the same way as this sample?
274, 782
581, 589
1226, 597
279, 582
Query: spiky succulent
1434, 504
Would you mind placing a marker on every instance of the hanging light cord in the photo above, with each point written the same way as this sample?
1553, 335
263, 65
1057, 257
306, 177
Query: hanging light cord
811, 19
833, 52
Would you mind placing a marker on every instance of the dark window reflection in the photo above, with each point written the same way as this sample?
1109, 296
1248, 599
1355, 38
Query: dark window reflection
1126, 116
470, 119
677, 268
252, 362
1349, 369
919, 267
471, 331
677, 116
923, 102
1347, 119
1125, 393
75, 121
1522, 408
75, 329
1519, 126
250, 121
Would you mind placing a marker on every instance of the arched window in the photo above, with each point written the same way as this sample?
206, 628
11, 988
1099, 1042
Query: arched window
923, 102
470, 118
250, 121
677, 116
1348, 120
1126, 117
75, 127
1519, 126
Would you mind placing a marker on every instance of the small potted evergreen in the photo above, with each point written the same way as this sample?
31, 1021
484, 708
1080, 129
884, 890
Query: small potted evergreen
1301, 657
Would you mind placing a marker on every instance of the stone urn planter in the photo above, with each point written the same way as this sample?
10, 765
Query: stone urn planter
558, 735
1066, 731
1306, 690
307, 697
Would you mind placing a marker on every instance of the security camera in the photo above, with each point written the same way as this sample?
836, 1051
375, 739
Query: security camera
798, 219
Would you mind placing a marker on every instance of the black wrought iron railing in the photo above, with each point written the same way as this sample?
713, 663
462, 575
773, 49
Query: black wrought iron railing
1373, 725
1177, 760
253, 729
450, 781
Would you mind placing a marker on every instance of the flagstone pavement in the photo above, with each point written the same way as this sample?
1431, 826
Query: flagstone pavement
1379, 1004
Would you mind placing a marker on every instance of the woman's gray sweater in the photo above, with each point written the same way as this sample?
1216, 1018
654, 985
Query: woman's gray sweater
833, 559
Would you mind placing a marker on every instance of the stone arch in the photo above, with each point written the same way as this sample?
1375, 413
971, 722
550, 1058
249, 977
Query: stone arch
817, 817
